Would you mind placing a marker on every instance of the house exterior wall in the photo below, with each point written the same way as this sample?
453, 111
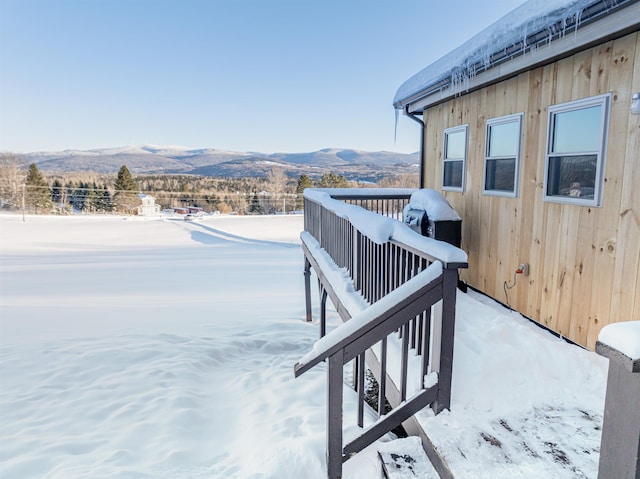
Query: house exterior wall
584, 261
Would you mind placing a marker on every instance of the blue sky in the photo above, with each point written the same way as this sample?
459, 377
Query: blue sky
244, 75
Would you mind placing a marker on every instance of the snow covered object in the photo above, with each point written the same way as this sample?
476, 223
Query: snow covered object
436, 205
430, 214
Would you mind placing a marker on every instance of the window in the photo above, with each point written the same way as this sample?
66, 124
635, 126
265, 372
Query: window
455, 158
502, 156
576, 146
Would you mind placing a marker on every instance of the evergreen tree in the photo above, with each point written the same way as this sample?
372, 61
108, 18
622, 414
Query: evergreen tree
37, 191
124, 181
304, 182
105, 203
68, 193
57, 192
78, 196
332, 180
256, 207
92, 197
125, 197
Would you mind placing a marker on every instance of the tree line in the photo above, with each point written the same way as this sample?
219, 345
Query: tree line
31, 191
40, 195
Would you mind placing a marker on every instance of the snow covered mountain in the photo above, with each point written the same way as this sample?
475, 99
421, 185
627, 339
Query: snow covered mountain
153, 159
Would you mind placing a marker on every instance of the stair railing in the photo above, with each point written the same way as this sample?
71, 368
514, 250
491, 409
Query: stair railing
396, 290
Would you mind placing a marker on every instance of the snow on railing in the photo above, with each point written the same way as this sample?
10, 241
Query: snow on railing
380, 229
367, 319
384, 279
624, 337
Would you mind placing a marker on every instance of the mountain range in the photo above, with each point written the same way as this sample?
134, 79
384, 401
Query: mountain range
149, 159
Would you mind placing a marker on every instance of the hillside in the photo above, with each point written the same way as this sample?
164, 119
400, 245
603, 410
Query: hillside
149, 159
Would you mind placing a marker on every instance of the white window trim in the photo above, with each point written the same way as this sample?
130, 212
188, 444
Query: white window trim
601, 153
519, 117
456, 129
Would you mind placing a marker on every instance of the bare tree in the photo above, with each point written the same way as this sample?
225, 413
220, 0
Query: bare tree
12, 178
277, 180
400, 181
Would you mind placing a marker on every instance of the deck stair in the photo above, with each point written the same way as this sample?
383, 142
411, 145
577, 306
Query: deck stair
405, 459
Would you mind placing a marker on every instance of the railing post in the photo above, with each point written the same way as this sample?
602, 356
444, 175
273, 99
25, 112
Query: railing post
449, 285
620, 444
356, 273
323, 313
307, 288
334, 415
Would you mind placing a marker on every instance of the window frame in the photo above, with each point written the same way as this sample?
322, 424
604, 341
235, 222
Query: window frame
604, 101
502, 120
445, 159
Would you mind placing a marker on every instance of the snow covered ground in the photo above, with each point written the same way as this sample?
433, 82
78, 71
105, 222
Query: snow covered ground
525, 404
159, 348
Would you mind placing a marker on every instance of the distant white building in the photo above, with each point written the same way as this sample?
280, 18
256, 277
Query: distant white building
148, 207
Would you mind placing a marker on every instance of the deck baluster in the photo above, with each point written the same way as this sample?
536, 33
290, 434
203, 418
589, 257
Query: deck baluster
376, 270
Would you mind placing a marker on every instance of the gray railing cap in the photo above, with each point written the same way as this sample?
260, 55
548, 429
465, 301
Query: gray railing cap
620, 342
612, 354
359, 193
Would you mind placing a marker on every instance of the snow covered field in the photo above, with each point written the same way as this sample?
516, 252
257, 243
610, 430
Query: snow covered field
159, 348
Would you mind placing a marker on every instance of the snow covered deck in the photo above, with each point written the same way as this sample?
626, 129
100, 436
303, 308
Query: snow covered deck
524, 403
480, 427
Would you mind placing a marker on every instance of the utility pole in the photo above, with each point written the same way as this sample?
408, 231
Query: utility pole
24, 187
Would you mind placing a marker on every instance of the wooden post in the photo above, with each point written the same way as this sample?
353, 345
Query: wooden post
450, 283
620, 445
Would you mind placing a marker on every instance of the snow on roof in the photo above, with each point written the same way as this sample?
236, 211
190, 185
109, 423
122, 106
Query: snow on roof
477, 54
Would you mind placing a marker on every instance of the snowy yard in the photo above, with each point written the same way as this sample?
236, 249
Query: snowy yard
159, 348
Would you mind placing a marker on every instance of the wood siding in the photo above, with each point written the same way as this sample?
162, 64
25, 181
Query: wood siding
584, 261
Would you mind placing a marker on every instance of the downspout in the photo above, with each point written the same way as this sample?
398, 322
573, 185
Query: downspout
423, 137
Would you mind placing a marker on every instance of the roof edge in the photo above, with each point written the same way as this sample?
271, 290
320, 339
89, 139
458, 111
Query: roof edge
595, 23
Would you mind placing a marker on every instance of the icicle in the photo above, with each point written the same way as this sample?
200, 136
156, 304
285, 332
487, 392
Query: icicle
578, 21
395, 127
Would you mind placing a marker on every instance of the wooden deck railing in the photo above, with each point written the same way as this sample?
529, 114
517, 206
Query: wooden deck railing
396, 290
